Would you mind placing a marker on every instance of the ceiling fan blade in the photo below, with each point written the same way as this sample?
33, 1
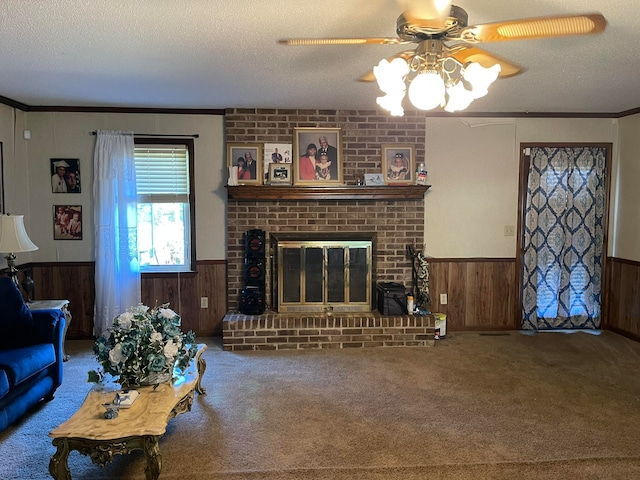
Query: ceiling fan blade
341, 41
534, 28
486, 59
370, 77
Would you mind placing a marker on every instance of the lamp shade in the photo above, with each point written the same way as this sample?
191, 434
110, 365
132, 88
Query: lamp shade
13, 236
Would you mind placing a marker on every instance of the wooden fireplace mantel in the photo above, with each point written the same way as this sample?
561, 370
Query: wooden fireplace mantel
340, 192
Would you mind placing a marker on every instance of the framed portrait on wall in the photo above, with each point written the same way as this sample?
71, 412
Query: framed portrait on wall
65, 175
248, 159
67, 222
317, 156
398, 164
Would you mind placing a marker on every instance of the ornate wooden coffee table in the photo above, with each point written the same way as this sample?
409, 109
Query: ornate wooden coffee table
136, 428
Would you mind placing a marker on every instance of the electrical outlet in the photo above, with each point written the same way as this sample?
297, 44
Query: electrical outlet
443, 299
509, 230
204, 302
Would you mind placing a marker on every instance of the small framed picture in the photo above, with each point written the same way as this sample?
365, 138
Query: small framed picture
398, 164
373, 179
317, 156
67, 222
65, 175
276, 153
248, 160
280, 173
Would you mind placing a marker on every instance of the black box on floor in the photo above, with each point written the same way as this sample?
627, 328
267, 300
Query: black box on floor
392, 298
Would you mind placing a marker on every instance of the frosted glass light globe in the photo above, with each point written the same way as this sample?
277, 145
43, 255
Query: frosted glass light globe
430, 10
480, 77
459, 98
426, 91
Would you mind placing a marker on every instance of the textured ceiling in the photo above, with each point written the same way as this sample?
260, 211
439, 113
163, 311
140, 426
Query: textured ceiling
220, 54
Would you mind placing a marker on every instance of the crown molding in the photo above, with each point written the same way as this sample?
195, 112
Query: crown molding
221, 111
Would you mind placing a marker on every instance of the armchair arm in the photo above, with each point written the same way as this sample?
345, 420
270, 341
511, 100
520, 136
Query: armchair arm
48, 325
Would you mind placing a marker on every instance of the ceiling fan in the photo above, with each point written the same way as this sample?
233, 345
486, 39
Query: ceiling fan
446, 68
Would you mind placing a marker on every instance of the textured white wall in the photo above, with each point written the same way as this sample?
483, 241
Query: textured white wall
472, 163
627, 225
473, 166
67, 135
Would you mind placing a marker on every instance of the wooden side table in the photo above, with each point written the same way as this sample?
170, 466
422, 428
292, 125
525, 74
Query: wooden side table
56, 305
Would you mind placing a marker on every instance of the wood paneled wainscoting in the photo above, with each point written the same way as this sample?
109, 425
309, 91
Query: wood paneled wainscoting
622, 313
74, 281
480, 292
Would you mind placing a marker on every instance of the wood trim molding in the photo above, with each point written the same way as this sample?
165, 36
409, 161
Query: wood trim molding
342, 192
469, 260
624, 260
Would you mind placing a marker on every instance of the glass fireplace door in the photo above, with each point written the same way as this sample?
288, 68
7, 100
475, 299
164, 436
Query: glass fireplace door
313, 276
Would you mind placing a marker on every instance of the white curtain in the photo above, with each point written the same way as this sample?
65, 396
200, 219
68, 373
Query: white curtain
117, 279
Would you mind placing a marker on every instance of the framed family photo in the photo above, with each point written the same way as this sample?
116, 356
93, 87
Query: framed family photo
317, 156
67, 222
276, 153
248, 159
65, 175
398, 164
280, 173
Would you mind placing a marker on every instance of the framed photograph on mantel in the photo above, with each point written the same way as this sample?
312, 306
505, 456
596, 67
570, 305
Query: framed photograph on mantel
276, 153
248, 159
280, 173
317, 156
398, 164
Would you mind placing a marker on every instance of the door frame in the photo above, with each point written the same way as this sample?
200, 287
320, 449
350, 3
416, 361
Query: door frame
522, 202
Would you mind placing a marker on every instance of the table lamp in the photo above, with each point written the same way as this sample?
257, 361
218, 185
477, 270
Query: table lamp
14, 239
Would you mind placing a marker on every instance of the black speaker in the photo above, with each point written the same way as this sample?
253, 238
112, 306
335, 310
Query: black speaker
254, 273
254, 241
252, 301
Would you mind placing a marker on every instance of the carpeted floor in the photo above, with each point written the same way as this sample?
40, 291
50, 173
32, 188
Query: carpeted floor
497, 406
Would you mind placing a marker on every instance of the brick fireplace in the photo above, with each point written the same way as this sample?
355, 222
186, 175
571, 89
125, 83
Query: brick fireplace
396, 220
396, 224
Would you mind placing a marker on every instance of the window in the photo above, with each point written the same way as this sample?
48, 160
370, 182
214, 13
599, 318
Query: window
165, 204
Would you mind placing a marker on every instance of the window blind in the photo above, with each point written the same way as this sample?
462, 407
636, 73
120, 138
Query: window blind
162, 172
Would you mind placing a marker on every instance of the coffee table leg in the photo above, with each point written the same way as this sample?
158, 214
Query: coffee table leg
154, 459
202, 366
58, 466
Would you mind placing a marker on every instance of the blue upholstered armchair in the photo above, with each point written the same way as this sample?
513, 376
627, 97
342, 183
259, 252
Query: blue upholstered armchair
30, 354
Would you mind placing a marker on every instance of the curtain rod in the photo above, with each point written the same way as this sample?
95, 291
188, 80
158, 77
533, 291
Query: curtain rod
194, 135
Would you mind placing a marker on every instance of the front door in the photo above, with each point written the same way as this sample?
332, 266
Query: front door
563, 231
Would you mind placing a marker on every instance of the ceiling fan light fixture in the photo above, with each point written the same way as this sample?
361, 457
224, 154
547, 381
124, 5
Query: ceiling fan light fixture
458, 97
391, 77
429, 10
426, 90
480, 77
392, 103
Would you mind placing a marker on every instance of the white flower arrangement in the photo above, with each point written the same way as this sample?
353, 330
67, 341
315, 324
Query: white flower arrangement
144, 347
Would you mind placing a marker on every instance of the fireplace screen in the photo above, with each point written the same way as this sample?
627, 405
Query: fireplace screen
320, 275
